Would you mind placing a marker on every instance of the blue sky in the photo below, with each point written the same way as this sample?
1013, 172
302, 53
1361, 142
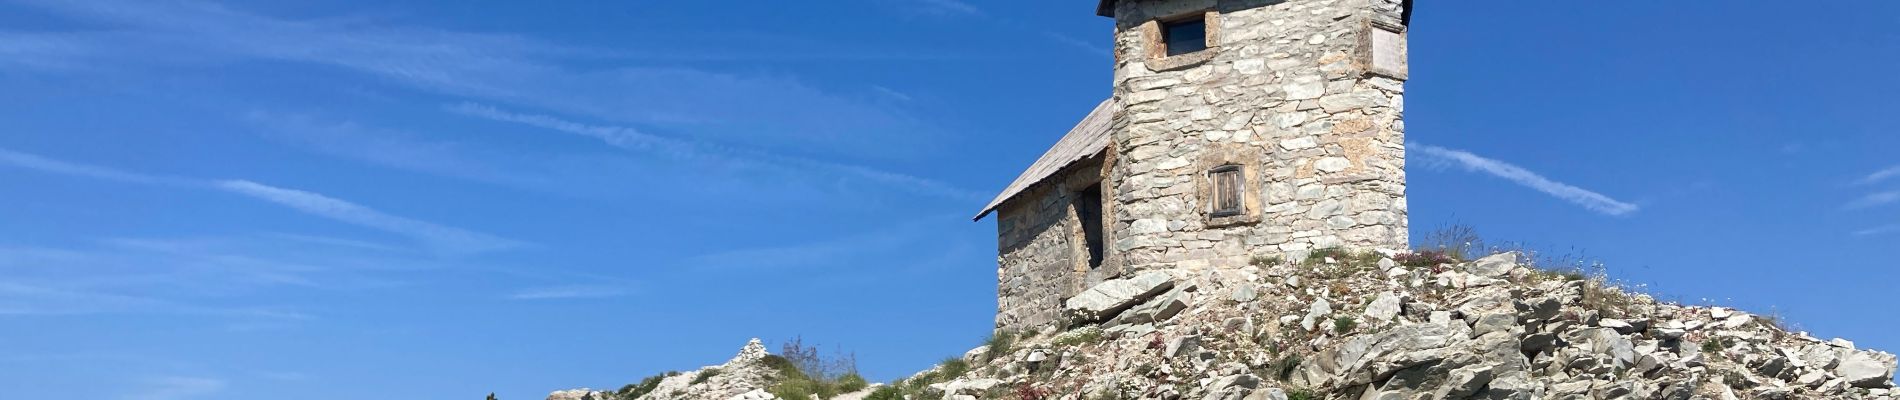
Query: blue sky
436, 200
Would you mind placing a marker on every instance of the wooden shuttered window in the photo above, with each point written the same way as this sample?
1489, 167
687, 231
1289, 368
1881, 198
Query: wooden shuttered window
1229, 187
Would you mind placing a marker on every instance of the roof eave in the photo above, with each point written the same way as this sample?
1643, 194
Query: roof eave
1088, 138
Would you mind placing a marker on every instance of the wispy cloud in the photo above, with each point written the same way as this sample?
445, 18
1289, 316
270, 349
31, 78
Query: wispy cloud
617, 136
1874, 199
892, 93
397, 149
569, 292
948, 7
43, 164
881, 244
30, 299
1576, 195
634, 140
178, 388
187, 277
1881, 175
223, 278
440, 237
756, 106
1071, 41
1879, 230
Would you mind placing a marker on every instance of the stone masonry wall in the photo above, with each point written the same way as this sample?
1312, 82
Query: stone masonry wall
1042, 258
1288, 91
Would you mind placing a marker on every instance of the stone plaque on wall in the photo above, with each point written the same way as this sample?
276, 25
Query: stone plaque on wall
1387, 52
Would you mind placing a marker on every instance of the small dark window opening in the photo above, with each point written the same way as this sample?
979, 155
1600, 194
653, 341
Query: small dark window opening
1088, 208
1185, 36
1228, 189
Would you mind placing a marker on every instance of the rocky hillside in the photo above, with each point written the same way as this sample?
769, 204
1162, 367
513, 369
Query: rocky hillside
754, 374
1369, 326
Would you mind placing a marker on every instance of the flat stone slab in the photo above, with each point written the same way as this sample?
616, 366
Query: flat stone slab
1494, 266
1105, 300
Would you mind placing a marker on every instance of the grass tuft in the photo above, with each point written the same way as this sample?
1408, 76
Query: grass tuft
709, 373
1001, 343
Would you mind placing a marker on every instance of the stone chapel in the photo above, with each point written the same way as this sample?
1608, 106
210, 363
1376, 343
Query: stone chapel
1236, 129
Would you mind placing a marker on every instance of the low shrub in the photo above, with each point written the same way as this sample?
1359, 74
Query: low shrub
1344, 324
1716, 345
1283, 368
1079, 337
635, 391
953, 367
851, 383
1000, 343
1425, 259
709, 373
1457, 241
886, 393
1302, 394
805, 374
1267, 261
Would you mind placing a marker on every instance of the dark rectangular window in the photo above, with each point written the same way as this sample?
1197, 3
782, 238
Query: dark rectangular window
1185, 36
1229, 186
1088, 208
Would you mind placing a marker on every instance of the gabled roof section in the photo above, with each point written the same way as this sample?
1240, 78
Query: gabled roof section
1088, 138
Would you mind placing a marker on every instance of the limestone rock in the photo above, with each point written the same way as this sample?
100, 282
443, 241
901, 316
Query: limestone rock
1516, 339
1267, 394
574, 394
1244, 294
755, 394
1315, 314
1867, 370
1383, 308
1495, 265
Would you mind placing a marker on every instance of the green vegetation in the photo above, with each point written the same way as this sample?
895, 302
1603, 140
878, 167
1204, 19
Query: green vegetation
1714, 346
1283, 368
1558, 274
709, 373
805, 374
1268, 261
953, 367
1608, 298
852, 383
491, 396
1079, 337
918, 387
1319, 256
1344, 263
1302, 394
1001, 343
1108, 394
886, 393
1344, 324
1456, 241
635, 391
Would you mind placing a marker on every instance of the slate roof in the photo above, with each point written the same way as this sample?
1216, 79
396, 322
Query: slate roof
1088, 138
1106, 8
